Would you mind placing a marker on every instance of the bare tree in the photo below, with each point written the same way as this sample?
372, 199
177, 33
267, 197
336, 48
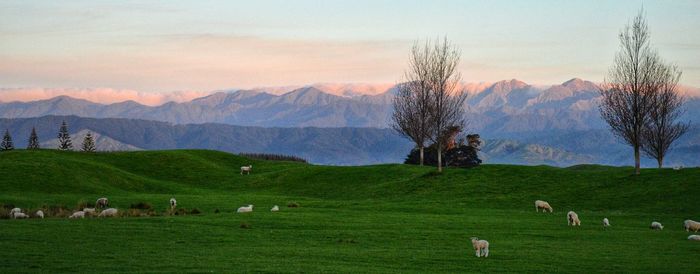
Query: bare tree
661, 130
628, 94
448, 101
413, 103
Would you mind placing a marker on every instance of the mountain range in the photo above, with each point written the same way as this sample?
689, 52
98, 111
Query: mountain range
557, 124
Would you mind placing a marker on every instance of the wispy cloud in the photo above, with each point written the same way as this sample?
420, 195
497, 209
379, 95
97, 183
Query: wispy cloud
99, 95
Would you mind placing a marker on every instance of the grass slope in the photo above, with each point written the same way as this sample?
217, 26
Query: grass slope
369, 219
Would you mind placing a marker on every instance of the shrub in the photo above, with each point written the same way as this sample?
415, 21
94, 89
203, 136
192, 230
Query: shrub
4, 213
293, 204
246, 225
8, 206
141, 205
274, 157
195, 211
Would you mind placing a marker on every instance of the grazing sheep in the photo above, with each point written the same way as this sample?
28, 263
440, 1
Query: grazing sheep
77, 214
677, 167
39, 214
275, 208
543, 205
572, 218
691, 225
102, 203
244, 209
89, 211
694, 237
656, 226
15, 211
173, 203
20, 215
481, 247
606, 222
110, 212
246, 169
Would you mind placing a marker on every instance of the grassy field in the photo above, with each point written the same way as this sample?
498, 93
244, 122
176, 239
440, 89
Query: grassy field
371, 219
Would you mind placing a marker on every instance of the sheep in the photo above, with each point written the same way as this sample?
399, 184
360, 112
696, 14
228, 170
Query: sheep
677, 167
15, 211
543, 205
77, 214
39, 214
275, 208
691, 225
245, 209
20, 215
110, 212
90, 211
694, 237
173, 203
102, 203
656, 226
246, 169
572, 219
606, 222
481, 247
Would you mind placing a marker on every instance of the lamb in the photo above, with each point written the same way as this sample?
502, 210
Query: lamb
481, 247
606, 223
245, 209
102, 203
275, 208
173, 203
77, 214
694, 237
15, 211
543, 205
572, 218
39, 214
89, 211
691, 225
110, 212
20, 215
656, 226
246, 169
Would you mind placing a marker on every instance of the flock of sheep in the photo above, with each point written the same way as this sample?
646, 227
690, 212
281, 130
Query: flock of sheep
482, 246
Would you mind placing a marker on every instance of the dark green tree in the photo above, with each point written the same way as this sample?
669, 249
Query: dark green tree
7, 142
33, 140
88, 143
64, 138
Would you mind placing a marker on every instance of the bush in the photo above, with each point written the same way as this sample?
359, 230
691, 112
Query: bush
293, 204
8, 206
246, 225
141, 205
4, 213
195, 211
274, 157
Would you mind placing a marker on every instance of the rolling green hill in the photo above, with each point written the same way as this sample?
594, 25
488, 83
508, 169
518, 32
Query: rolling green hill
367, 219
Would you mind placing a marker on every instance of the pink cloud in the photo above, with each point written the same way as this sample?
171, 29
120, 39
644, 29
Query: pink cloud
99, 95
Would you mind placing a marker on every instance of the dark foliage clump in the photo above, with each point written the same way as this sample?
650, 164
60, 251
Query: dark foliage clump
293, 204
195, 211
141, 205
274, 157
459, 155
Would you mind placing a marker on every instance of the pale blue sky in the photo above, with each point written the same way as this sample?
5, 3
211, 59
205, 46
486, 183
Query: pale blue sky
206, 45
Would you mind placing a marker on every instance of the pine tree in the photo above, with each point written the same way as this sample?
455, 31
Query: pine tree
33, 140
7, 142
88, 143
64, 138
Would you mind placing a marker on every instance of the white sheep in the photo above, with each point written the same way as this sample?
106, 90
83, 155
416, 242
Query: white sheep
572, 219
694, 237
15, 211
244, 209
481, 247
77, 214
102, 203
691, 225
606, 222
246, 169
275, 208
110, 212
656, 226
20, 215
173, 203
543, 205
90, 211
39, 214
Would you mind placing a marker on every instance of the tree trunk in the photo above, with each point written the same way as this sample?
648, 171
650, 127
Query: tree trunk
421, 155
636, 160
660, 161
439, 151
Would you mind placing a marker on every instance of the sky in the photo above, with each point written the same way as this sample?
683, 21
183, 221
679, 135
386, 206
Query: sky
186, 48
